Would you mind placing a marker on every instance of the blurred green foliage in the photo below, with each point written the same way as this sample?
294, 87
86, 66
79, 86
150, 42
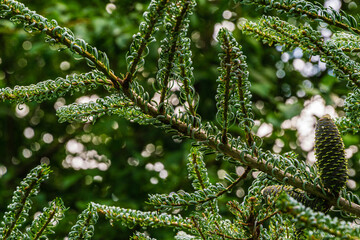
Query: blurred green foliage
132, 149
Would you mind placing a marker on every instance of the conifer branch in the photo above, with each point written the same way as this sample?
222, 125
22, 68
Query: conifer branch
260, 163
182, 199
227, 59
197, 170
347, 42
243, 93
313, 11
186, 76
309, 41
351, 122
198, 228
309, 201
44, 223
234, 73
84, 227
130, 217
51, 89
225, 103
134, 104
21, 204
114, 104
347, 125
198, 175
351, 50
178, 11
188, 96
140, 236
35, 22
349, 68
249, 136
224, 236
318, 220
268, 217
265, 35
135, 60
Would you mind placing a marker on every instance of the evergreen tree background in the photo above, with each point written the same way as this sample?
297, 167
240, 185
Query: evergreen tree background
123, 162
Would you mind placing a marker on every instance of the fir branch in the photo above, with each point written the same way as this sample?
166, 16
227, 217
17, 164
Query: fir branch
352, 105
242, 93
351, 122
343, 66
177, 14
309, 41
347, 125
298, 194
306, 217
224, 236
153, 16
198, 228
84, 227
184, 127
313, 11
140, 236
46, 221
251, 218
221, 233
114, 104
268, 217
32, 21
197, 172
51, 89
182, 199
21, 204
227, 59
186, 76
234, 208
248, 217
234, 100
206, 222
131, 217
266, 35
350, 50
263, 162
197, 169
347, 42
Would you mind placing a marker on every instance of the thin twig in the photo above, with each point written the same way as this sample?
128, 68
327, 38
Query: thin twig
198, 228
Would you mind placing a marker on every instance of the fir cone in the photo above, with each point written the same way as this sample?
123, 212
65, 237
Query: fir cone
330, 155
